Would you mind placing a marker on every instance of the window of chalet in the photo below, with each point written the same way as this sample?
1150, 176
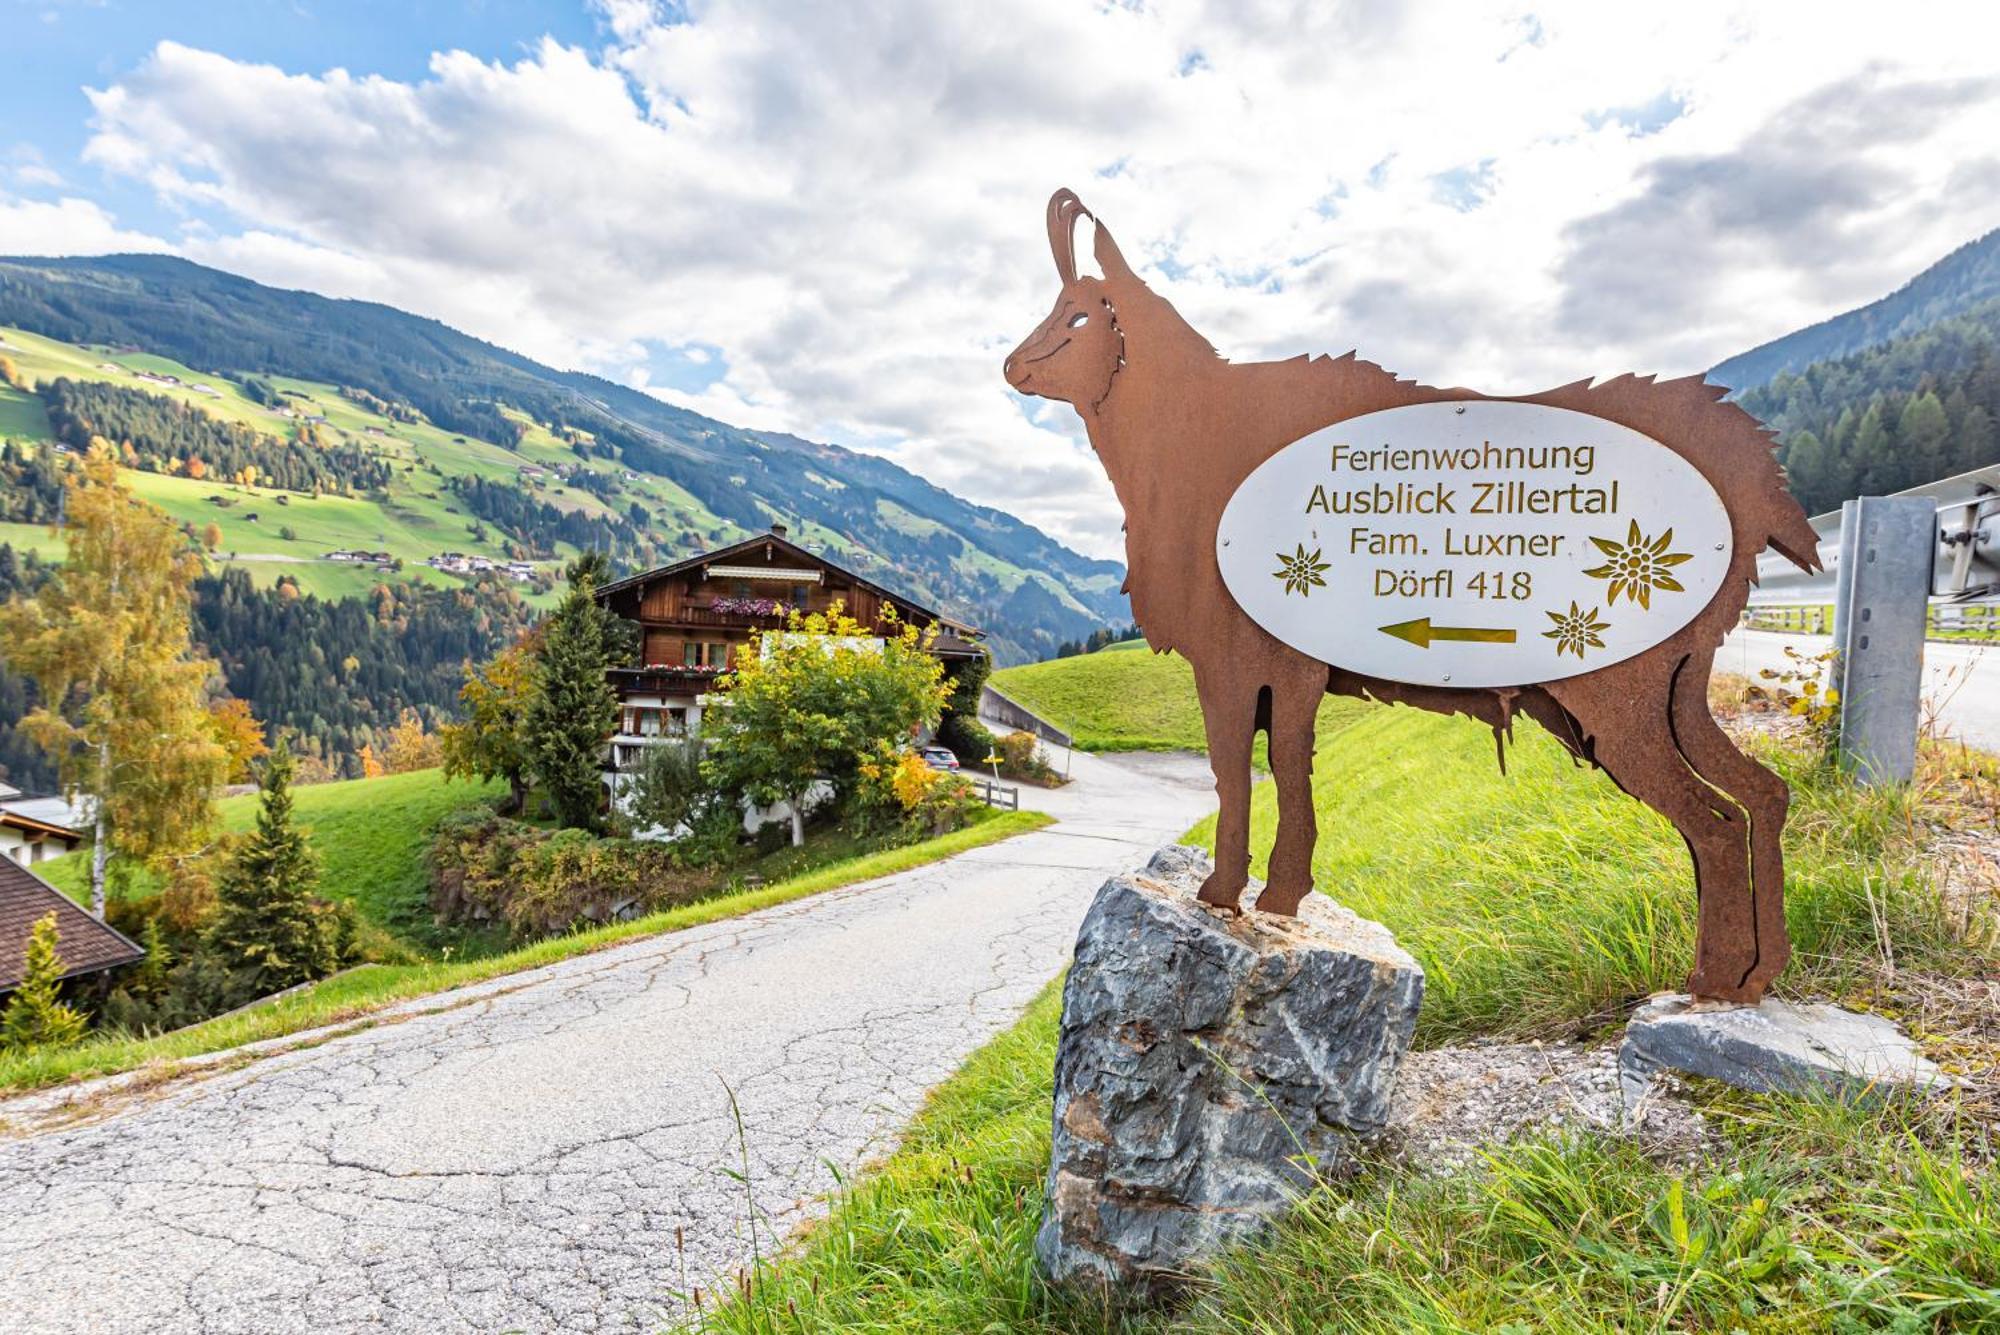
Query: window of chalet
651, 721
705, 653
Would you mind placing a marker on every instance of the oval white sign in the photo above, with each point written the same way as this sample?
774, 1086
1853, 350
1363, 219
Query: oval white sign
1477, 543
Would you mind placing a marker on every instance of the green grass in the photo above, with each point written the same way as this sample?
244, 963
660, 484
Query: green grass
1810, 1209
1119, 700
1535, 900
1543, 897
406, 520
354, 995
22, 416
371, 836
37, 538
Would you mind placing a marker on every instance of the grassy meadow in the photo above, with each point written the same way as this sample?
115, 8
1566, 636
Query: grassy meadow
414, 518
1544, 904
1545, 899
371, 836
1127, 698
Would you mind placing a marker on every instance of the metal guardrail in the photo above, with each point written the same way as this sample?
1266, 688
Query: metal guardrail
1965, 563
996, 796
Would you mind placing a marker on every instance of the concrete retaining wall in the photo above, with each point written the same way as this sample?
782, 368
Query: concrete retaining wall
993, 705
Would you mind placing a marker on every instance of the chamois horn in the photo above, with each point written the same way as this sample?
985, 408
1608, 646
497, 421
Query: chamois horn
1064, 209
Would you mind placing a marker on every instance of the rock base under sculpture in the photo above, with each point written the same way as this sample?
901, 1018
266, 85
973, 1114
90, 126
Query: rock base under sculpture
1772, 1046
1211, 1067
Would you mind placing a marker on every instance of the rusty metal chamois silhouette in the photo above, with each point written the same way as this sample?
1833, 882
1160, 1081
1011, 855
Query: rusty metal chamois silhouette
1179, 430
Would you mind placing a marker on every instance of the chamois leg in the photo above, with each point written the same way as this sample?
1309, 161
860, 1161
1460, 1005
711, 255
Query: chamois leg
1229, 715
1763, 796
1640, 755
1290, 729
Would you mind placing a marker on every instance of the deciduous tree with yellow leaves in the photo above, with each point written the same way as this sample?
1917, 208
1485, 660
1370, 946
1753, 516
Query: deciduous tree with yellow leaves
106, 642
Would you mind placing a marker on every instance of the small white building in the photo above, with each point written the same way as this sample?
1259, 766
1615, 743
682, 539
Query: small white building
34, 829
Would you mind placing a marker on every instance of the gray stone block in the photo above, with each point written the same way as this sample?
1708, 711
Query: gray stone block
1773, 1046
1211, 1067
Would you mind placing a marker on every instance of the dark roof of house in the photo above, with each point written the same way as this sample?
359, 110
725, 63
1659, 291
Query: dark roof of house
784, 544
85, 944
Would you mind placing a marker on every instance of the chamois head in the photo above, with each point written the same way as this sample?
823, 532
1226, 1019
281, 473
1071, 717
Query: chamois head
1073, 355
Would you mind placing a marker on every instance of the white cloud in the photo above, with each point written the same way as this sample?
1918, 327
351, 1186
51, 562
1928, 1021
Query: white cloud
847, 209
67, 226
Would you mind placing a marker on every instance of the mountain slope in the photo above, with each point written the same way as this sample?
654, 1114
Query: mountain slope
1906, 411
715, 481
1965, 278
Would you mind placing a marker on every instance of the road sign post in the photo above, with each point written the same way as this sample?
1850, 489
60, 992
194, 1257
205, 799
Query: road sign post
1887, 544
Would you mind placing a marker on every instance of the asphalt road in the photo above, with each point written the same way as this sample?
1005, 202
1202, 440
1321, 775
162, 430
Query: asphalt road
1961, 681
525, 1154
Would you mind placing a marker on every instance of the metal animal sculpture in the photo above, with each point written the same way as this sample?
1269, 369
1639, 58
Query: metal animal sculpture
1178, 429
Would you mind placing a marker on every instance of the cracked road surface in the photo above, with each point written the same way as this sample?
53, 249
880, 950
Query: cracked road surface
525, 1158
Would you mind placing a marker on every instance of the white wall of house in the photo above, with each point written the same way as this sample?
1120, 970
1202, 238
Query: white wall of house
26, 850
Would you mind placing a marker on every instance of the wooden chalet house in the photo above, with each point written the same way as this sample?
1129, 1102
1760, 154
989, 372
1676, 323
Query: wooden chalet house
697, 615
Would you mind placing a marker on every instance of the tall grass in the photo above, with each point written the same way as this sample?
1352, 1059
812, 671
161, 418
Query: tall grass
1815, 1216
1829, 1218
1538, 899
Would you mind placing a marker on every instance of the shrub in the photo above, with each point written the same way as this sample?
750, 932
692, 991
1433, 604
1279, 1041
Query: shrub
967, 737
537, 882
37, 1016
899, 793
815, 702
1022, 757
670, 792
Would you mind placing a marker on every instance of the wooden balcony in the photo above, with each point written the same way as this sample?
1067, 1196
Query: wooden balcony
707, 618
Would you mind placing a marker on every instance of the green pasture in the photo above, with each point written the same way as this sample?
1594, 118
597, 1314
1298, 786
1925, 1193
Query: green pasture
1117, 700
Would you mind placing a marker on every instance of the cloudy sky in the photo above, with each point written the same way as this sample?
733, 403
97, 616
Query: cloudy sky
827, 218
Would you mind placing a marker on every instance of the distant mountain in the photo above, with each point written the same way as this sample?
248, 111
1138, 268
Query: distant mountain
1961, 280
969, 559
1910, 410
1901, 392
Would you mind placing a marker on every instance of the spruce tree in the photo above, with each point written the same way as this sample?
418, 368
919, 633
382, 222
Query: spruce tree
37, 1016
1923, 436
268, 930
1806, 472
574, 709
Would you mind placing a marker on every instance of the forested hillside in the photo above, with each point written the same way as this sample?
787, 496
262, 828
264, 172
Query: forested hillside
159, 435
438, 402
1967, 277
338, 674
1905, 412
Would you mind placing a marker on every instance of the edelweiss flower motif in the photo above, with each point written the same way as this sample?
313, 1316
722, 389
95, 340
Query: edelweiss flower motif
1301, 571
1638, 566
1575, 630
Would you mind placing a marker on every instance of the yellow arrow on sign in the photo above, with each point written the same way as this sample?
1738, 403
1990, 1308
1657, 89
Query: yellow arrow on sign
1421, 632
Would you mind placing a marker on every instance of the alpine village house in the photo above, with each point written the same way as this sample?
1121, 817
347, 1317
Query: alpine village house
697, 615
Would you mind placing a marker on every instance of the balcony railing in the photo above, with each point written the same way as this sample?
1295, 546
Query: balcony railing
690, 615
